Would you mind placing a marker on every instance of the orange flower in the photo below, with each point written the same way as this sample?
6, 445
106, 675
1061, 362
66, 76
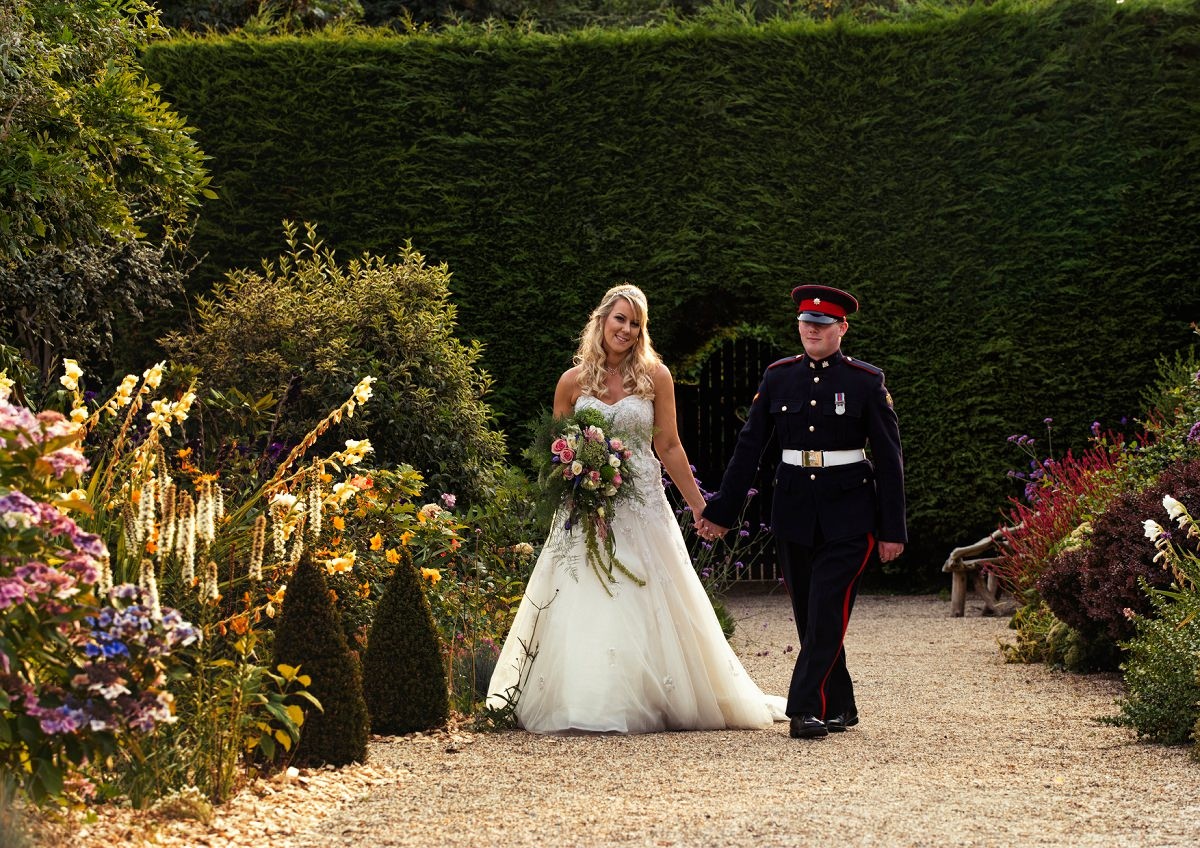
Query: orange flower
376, 542
364, 591
433, 575
406, 537
183, 453
339, 523
393, 556
240, 624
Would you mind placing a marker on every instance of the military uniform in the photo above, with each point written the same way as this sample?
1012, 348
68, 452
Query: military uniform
830, 504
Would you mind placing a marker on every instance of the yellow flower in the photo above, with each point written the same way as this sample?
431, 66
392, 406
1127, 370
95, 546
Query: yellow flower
71, 375
364, 591
339, 523
340, 564
392, 555
79, 414
406, 537
6, 385
362, 392
376, 542
433, 575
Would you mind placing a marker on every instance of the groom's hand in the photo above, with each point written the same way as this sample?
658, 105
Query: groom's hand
709, 530
888, 551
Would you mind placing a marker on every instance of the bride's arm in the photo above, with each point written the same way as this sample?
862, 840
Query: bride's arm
667, 445
566, 393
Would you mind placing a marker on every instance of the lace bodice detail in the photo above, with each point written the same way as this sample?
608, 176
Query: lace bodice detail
632, 415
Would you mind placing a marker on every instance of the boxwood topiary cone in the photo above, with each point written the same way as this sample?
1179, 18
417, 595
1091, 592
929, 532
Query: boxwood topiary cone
309, 635
404, 679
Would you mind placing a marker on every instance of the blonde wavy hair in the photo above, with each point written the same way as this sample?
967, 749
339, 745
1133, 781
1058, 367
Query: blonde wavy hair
639, 364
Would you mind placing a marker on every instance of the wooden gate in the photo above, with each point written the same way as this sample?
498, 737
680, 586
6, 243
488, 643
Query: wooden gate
711, 414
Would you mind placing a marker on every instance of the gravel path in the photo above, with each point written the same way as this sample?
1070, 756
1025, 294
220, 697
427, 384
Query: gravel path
955, 748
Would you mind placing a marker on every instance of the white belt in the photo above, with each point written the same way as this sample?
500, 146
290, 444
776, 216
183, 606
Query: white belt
821, 459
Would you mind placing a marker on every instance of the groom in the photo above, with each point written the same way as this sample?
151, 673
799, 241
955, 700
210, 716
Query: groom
833, 509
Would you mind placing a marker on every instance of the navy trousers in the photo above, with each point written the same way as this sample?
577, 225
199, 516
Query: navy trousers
822, 580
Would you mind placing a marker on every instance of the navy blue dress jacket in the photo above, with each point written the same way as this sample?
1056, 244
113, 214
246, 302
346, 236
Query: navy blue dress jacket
837, 403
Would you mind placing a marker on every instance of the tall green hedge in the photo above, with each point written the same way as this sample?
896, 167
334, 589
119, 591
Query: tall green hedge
1012, 192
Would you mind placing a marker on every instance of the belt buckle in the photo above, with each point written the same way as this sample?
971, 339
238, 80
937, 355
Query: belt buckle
811, 459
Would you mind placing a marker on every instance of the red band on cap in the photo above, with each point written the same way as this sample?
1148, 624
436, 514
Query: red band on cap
821, 305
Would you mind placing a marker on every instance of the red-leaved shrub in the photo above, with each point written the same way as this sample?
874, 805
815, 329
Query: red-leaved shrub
1091, 586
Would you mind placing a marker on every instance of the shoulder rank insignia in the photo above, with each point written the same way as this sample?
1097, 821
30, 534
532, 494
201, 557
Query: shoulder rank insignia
887, 397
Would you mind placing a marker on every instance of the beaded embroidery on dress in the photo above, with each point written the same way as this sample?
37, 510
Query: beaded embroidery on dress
643, 660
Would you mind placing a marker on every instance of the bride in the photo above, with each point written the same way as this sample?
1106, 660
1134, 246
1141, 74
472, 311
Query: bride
643, 658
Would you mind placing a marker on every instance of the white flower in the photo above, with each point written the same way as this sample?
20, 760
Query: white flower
430, 510
153, 376
1175, 510
284, 501
577, 468
614, 461
1152, 529
339, 564
79, 414
356, 450
523, 548
342, 492
73, 372
362, 392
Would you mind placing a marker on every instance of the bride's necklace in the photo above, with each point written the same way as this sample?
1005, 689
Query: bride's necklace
612, 370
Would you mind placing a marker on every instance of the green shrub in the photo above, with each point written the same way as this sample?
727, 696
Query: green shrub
306, 328
404, 679
309, 635
1162, 674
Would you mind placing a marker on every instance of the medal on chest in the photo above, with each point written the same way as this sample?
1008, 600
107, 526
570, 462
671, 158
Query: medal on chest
839, 403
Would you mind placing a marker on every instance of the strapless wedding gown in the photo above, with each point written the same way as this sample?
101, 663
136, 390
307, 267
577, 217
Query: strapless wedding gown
646, 659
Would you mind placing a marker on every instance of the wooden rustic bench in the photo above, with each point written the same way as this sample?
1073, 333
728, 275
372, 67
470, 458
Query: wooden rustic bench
966, 566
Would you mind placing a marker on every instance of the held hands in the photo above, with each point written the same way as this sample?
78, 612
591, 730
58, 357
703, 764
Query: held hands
708, 530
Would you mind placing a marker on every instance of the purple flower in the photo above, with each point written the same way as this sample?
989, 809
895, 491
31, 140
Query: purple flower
751, 492
449, 500
1194, 433
743, 533
1047, 421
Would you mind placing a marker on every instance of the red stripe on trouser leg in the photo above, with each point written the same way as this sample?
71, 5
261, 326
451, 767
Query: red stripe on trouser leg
845, 619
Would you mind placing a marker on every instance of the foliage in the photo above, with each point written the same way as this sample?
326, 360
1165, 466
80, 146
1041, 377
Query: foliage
84, 668
309, 637
100, 179
1092, 585
1065, 495
302, 328
256, 15
1042, 637
1162, 672
744, 156
404, 680
166, 526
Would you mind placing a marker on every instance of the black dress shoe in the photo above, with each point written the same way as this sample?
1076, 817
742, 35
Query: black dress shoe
838, 723
808, 727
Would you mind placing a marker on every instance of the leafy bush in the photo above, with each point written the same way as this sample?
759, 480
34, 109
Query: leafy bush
1092, 585
84, 666
309, 637
404, 680
1162, 674
304, 326
101, 179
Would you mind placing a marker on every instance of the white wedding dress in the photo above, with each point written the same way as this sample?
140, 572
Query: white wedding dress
646, 659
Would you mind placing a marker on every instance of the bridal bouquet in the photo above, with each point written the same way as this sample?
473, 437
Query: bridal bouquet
582, 471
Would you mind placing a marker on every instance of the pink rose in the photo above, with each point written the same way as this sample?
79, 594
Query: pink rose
616, 480
616, 445
594, 476
627, 454
568, 474
560, 445
566, 454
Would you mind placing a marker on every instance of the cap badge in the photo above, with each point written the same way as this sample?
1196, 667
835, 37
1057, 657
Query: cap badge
816, 301
839, 403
